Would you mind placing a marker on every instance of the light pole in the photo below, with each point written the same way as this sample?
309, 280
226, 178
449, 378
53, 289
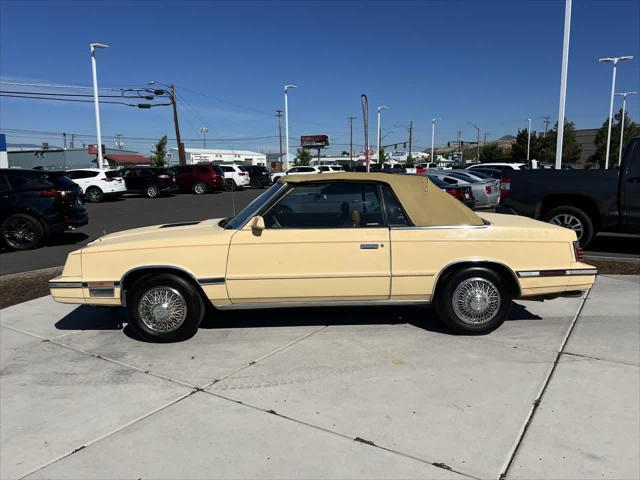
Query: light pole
478, 140
528, 138
563, 82
204, 131
624, 105
96, 101
615, 61
433, 136
380, 108
286, 121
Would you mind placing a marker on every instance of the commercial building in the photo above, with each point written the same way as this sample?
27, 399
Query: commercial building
199, 155
56, 158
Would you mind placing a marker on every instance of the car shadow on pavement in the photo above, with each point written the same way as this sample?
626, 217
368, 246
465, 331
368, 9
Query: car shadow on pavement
67, 238
93, 318
105, 318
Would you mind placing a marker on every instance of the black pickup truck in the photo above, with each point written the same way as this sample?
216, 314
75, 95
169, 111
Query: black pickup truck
587, 201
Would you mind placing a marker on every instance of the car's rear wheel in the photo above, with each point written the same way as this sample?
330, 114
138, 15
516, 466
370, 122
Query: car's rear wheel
94, 195
230, 185
164, 308
21, 231
199, 188
473, 301
256, 183
152, 191
572, 217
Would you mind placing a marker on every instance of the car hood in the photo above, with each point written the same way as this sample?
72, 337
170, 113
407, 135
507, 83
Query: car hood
524, 228
206, 232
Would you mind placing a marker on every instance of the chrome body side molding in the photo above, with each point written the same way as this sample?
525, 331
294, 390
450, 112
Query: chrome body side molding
331, 303
557, 273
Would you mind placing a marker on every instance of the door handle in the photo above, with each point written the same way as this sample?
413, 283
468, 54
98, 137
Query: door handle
368, 246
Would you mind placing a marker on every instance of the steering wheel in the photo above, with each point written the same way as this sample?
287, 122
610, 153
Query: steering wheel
279, 210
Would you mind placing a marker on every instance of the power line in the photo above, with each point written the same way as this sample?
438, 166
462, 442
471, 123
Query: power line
81, 101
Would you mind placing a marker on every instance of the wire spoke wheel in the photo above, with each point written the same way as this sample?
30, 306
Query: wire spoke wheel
567, 220
19, 231
162, 309
476, 301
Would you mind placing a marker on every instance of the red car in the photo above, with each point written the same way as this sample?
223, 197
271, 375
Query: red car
199, 178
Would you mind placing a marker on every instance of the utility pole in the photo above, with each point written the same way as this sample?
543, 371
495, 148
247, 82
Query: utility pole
460, 147
547, 121
433, 136
73, 135
485, 138
409, 157
64, 139
351, 119
119, 141
204, 131
172, 96
279, 115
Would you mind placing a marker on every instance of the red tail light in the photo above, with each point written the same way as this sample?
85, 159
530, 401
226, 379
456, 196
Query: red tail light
579, 253
242, 174
163, 176
488, 189
455, 192
61, 194
505, 186
108, 179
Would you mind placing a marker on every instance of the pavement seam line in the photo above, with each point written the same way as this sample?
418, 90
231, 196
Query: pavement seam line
439, 465
536, 403
122, 364
19, 330
598, 359
108, 434
266, 355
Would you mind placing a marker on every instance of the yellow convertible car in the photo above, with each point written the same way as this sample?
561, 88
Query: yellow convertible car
329, 239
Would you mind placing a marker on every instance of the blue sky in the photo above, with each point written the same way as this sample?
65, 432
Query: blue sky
494, 63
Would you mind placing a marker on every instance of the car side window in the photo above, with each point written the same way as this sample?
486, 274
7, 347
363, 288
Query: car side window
450, 181
227, 169
327, 205
293, 170
184, 169
201, 169
4, 184
393, 210
17, 181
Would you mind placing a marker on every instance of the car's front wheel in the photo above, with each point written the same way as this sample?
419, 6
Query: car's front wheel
21, 231
164, 308
256, 183
473, 301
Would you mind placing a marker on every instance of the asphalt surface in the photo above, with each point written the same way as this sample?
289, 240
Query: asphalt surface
134, 211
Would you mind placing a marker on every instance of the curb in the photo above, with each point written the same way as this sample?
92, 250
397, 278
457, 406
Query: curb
30, 273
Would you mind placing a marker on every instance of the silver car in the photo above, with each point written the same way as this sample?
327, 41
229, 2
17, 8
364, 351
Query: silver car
486, 191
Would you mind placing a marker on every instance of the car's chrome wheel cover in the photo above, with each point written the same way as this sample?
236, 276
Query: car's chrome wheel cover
567, 220
152, 192
199, 188
476, 300
162, 309
19, 232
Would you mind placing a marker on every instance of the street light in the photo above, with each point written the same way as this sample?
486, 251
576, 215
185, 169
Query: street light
433, 136
478, 142
204, 131
96, 101
615, 61
624, 105
286, 120
380, 108
528, 137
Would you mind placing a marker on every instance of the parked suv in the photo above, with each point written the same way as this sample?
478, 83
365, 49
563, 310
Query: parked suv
35, 204
259, 176
236, 177
151, 181
302, 170
98, 184
199, 178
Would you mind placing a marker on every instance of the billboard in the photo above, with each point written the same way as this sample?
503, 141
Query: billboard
92, 150
314, 141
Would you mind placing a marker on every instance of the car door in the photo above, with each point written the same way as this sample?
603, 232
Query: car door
322, 242
630, 188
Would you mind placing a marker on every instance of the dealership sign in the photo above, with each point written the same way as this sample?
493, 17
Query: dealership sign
314, 141
92, 150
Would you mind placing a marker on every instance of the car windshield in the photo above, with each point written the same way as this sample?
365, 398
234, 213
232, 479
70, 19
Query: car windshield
238, 220
462, 176
479, 174
438, 181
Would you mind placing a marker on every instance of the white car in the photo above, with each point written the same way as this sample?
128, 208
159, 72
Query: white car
500, 166
331, 168
295, 170
98, 184
236, 177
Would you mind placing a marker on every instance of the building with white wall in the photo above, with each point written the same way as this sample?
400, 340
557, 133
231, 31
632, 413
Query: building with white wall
215, 155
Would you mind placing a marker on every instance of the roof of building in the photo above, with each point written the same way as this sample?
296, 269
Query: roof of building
217, 150
128, 159
426, 204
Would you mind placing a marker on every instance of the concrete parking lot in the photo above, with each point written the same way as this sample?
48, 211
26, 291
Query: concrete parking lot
326, 393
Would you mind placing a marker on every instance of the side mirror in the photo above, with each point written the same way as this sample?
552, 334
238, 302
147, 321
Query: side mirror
257, 224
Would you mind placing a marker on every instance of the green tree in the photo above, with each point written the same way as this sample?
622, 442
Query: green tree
492, 151
382, 155
303, 157
159, 153
519, 148
631, 129
570, 148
